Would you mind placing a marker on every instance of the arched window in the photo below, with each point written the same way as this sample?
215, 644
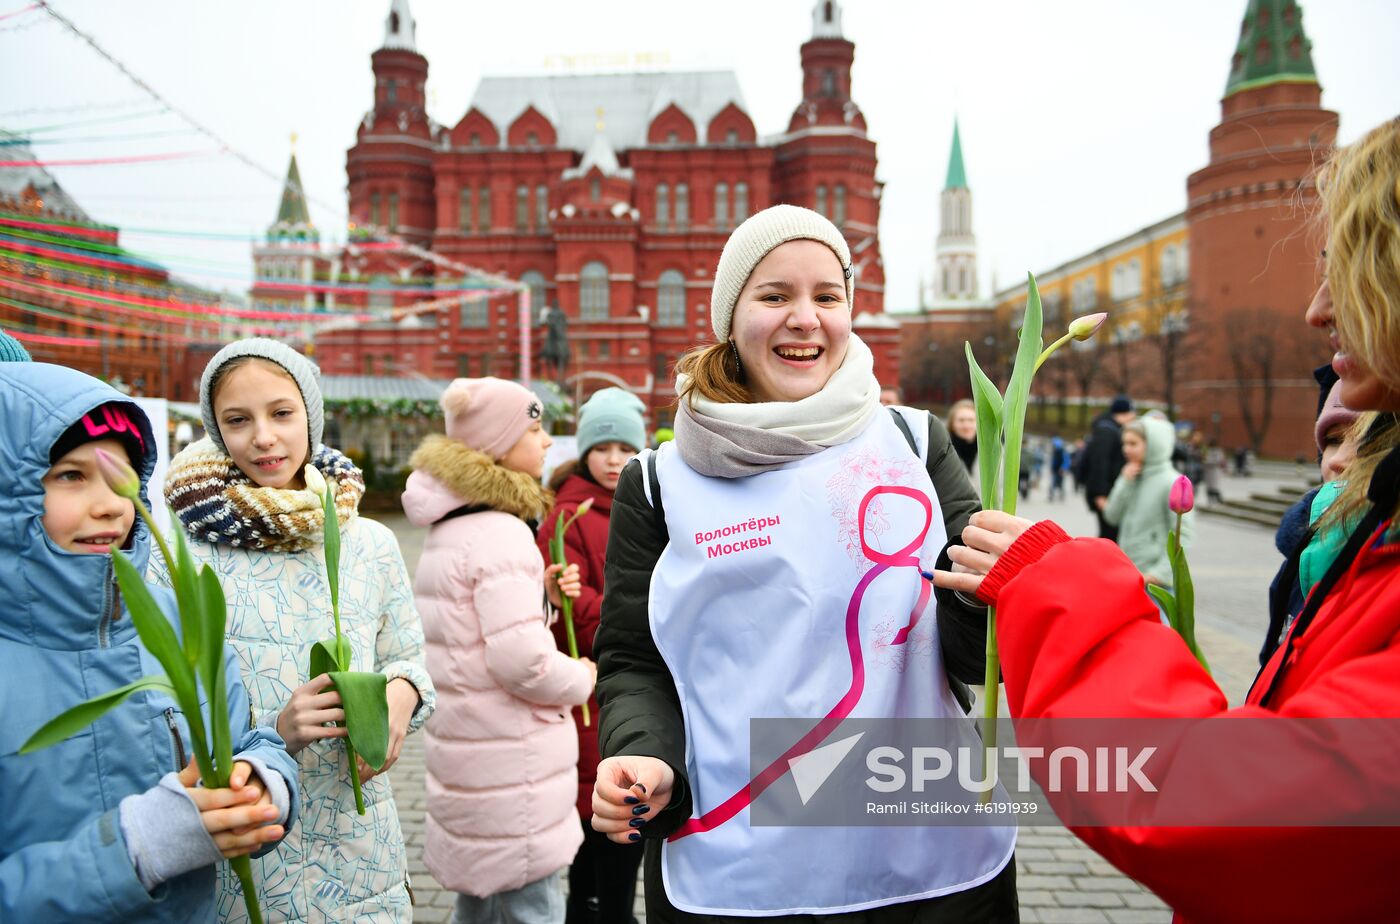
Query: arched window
670, 299
828, 83
392, 93
522, 207
663, 204
682, 206
962, 280
721, 205
374, 215
1169, 266
821, 200
593, 291
741, 202
839, 206
393, 211
464, 210
595, 190
538, 291
541, 207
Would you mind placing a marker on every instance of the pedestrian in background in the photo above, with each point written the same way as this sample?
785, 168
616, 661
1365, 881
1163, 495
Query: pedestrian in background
603, 875
962, 433
1138, 504
241, 497
1103, 460
501, 751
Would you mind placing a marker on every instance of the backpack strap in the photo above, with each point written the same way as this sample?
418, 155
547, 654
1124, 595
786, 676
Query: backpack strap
651, 487
917, 446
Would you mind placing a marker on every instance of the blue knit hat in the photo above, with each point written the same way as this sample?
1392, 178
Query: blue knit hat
611, 415
12, 351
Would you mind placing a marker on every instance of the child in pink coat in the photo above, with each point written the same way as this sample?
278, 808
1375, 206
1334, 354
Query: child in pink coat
501, 750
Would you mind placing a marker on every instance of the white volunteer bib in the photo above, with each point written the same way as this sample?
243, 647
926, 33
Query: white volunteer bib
794, 594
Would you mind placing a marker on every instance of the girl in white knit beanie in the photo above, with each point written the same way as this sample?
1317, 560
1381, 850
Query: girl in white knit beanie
765, 564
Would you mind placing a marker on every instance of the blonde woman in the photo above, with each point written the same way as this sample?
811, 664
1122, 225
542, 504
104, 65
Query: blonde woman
1080, 638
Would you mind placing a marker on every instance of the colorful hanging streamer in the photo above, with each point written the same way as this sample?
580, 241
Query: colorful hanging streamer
110, 161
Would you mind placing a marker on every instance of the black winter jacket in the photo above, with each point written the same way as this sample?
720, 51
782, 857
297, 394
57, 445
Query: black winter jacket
641, 713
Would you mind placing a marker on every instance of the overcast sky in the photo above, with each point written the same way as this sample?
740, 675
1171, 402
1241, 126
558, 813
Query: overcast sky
1081, 119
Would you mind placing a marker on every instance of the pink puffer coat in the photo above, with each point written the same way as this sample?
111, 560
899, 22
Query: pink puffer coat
501, 751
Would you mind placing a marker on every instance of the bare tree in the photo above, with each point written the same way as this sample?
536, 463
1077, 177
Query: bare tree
1168, 331
1252, 341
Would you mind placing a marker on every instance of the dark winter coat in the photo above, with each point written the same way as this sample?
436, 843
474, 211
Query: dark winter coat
1103, 458
585, 545
642, 713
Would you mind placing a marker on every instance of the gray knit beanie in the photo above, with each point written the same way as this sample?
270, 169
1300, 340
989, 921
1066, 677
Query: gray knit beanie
302, 370
754, 239
12, 351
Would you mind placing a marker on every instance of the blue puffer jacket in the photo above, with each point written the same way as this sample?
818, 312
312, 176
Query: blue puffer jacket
64, 637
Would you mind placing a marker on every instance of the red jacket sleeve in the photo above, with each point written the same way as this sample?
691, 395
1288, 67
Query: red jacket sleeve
1079, 638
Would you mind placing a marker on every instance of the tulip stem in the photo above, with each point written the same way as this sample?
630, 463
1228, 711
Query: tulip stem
1045, 353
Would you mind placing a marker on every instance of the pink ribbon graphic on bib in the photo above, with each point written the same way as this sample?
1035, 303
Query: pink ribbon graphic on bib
906, 557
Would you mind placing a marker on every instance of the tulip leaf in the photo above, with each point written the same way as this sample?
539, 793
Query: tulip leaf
331, 548
330, 656
1018, 393
69, 723
214, 615
366, 704
187, 598
987, 400
156, 632
1165, 599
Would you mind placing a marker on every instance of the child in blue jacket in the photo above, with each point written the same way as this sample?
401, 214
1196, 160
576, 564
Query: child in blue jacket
110, 825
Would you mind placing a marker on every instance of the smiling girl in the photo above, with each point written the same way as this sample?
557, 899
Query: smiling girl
242, 499
765, 564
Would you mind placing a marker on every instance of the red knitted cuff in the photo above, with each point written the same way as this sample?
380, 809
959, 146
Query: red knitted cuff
1026, 550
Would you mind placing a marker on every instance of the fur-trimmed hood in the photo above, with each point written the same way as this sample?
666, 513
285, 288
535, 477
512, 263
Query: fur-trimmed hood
448, 474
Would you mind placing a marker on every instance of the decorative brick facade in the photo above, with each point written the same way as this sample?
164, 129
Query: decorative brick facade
609, 195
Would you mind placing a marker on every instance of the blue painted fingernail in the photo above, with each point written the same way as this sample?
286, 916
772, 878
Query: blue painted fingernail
927, 575
631, 800
636, 822
634, 836
641, 810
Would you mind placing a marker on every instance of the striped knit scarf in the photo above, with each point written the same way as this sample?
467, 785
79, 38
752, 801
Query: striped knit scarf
217, 503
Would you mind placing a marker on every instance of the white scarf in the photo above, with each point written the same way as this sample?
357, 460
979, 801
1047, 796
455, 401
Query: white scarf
731, 440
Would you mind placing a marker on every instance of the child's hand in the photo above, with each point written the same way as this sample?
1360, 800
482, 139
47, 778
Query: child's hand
403, 700
239, 818
1131, 470
303, 719
629, 791
560, 578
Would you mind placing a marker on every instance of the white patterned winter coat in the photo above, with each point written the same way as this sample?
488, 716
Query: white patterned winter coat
335, 865
501, 752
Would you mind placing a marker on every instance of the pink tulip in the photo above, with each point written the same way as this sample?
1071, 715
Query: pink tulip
1085, 327
1183, 496
120, 476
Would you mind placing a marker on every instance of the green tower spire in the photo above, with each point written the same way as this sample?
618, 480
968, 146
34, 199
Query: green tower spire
957, 176
1273, 47
293, 210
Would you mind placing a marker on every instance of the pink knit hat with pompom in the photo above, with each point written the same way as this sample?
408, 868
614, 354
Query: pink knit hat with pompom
490, 414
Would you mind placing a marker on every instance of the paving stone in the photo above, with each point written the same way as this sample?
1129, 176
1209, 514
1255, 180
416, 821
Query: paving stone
1143, 900
1037, 897
1057, 867
1097, 899
1033, 882
1072, 916
1117, 883
1138, 916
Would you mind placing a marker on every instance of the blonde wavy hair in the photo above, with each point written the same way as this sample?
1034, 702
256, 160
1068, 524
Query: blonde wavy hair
1360, 192
1375, 436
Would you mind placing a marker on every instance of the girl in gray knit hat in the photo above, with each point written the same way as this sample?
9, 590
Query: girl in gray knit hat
766, 563
241, 496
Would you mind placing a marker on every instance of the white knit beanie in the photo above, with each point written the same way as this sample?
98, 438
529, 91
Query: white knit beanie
302, 370
754, 239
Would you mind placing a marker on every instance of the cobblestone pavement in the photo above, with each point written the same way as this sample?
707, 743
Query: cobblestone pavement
1060, 879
